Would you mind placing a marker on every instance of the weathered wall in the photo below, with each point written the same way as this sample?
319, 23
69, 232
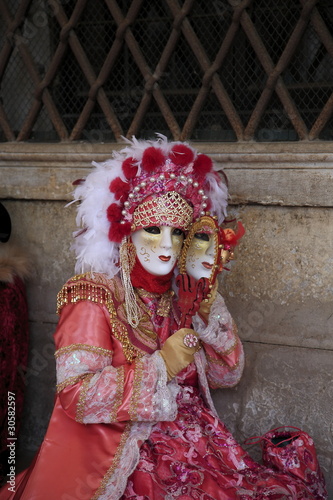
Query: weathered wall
279, 292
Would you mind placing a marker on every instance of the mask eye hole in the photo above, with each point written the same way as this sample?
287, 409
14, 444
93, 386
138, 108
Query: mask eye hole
152, 230
202, 236
177, 232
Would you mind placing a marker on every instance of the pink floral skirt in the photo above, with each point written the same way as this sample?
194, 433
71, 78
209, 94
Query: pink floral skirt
195, 457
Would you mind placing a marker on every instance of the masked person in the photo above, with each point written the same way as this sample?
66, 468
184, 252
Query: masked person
133, 418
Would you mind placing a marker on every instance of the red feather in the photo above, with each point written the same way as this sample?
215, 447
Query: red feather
202, 165
119, 188
117, 231
78, 182
152, 158
181, 155
130, 168
230, 237
114, 212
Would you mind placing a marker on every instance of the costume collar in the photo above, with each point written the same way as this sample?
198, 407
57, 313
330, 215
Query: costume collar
143, 279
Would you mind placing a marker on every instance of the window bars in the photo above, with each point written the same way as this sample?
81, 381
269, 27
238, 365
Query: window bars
223, 70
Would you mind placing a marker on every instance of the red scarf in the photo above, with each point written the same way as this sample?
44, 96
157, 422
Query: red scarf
143, 279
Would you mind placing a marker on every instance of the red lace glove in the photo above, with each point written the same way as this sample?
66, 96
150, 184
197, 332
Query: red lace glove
191, 294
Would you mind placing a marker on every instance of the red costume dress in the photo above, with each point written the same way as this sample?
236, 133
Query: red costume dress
120, 430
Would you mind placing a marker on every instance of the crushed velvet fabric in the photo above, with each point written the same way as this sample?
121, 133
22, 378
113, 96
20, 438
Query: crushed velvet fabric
13, 340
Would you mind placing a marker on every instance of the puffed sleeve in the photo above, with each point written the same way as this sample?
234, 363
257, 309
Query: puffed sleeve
91, 389
222, 346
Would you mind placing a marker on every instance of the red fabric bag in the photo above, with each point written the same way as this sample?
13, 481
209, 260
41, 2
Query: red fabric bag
292, 451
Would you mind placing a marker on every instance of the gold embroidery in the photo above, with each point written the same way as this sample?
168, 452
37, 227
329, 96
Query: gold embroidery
145, 332
170, 207
83, 347
221, 362
82, 398
133, 411
164, 305
217, 385
68, 381
78, 288
117, 293
120, 332
115, 463
100, 291
231, 348
118, 399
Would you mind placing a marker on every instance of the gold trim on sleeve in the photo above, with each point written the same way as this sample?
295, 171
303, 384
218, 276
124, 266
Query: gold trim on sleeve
69, 381
138, 375
83, 347
118, 399
82, 398
120, 332
221, 362
115, 463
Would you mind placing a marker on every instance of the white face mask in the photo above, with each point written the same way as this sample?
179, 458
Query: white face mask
158, 248
200, 255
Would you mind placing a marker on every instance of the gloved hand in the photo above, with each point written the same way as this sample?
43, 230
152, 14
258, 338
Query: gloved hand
207, 303
190, 296
178, 350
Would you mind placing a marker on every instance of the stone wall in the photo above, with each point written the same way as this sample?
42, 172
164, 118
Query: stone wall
279, 289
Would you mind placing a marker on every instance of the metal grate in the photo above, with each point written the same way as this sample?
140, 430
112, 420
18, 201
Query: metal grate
223, 70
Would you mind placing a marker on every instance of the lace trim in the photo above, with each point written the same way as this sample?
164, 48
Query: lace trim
133, 411
83, 347
68, 381
201, 363
221, 362
115, 462
82, 398
118, 399
226, 379
164, 399
125, 462
221, 330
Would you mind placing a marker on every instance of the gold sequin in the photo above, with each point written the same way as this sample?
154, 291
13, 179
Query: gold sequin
120, 332
118, 399
133, 411
115, 463
83, 347
82, 398
221, 362
68, 381
80, 288
164, 305
170, 207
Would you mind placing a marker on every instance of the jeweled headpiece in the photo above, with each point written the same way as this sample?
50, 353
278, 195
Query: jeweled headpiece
147, 183
170, 209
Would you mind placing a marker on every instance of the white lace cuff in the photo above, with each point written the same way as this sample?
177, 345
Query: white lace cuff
219, 333
157, 399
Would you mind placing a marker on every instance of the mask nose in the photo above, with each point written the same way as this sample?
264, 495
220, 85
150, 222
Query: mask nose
211, 249
166, 240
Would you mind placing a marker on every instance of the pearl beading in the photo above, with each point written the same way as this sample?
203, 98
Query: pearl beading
137, 194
